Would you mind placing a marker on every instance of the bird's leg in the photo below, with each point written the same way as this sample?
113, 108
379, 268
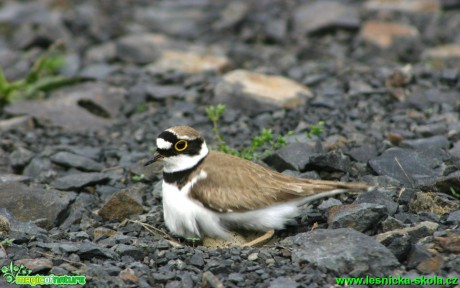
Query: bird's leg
259, 240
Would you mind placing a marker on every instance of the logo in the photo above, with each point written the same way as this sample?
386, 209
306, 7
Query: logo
20, 275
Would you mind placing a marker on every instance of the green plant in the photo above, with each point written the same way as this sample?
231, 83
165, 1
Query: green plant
265, 141
454, 192
42, 77
315, 129
6, 242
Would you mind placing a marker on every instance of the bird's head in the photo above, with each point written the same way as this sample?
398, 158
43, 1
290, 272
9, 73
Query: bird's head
180, 148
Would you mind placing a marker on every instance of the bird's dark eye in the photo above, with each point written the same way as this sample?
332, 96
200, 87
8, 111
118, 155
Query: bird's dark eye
181, 145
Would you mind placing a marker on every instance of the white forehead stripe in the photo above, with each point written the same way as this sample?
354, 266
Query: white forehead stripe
163, 144
182, 136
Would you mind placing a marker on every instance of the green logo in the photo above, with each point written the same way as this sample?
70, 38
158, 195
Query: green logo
12, 271
20, 275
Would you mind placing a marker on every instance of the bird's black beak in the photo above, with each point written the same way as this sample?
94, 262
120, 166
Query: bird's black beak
157, 156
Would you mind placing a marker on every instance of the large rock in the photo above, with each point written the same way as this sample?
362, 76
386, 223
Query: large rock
384, 34
361, 217
255, 92
31, 204
80, 180
86, 107
72, 160
404, 5
311, 17
410, 167
124, 203
342, 251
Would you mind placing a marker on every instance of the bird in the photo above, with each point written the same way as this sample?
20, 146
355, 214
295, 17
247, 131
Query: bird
209, 193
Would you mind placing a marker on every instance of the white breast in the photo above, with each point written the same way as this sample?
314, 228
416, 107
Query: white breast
187, 217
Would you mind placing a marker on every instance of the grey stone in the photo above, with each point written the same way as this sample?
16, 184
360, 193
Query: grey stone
90, 250
454, 217
38, 167
255, 92
138, 253
341, 250
138, 49
310, 17
164, 276
46, 204
283, 282
83, 107
80, 180
376, 197
98, 71
331, 161
398, 241
363, 153
20, 158
406, 165
161, 92
8, 178
236, 277
197, 260
444, 184
177, 20
294, 156
391, 223
360, 217
331, 202
71, 160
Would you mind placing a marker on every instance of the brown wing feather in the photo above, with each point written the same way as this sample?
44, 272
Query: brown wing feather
252, 186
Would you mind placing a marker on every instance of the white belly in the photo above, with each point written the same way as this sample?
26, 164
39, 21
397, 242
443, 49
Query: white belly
187, 217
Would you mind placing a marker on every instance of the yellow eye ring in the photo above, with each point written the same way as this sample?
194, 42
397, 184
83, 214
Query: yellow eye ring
181, 145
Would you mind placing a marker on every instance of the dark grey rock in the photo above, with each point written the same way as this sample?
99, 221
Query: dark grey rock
18, 230
38, 167
408, 166
164, 276
138, 49
399, 243
430, 130
283, 282
20, 158
418, 253
98, 71
71, 160
231, 15
197, 260
444, 184
236, 277
8, 178
294, 156
434, 147
162, 92
90, 250
363, 153
426, 99
308, 18
391, 223
376, 197
46, 204
176, 20
449, 75
331, 161
341, 250
137, 253
82, 107
331, 202
454, 217
360, 217
80, 180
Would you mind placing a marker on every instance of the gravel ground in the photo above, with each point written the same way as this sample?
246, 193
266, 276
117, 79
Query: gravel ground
383, 77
